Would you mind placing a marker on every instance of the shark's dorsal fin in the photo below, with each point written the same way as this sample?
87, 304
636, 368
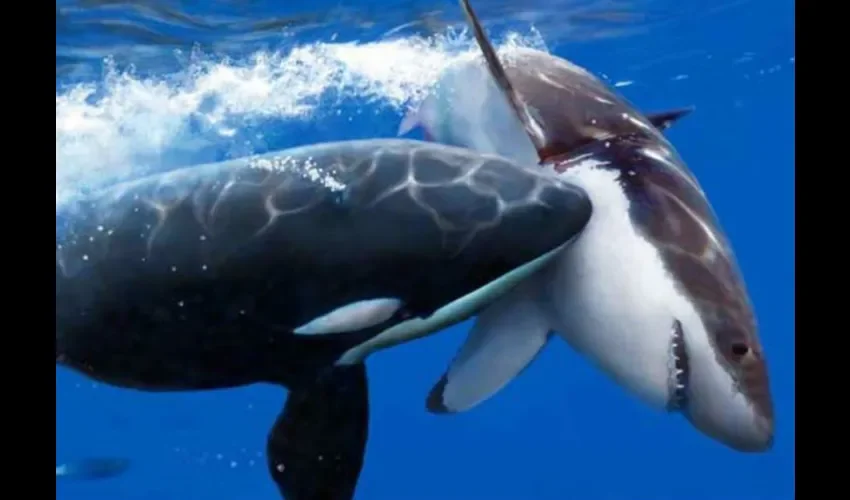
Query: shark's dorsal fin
532, 127
664, 119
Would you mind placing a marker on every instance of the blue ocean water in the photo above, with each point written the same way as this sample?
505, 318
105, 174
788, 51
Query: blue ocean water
149, 86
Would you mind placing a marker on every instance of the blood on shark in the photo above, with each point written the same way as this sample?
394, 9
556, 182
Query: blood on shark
649, 291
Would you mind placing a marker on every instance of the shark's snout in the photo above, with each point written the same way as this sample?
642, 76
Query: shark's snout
752, 433
736, 411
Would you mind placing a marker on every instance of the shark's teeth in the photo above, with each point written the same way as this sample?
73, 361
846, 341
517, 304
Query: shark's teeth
678, 369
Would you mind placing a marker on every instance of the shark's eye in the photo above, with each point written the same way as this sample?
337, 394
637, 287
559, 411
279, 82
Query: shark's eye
740, 349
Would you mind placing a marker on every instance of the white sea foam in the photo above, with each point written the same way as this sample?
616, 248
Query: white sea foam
125, 126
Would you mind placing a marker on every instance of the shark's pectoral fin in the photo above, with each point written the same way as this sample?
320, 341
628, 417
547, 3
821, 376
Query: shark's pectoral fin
665, 119
506, 337
408, 123
422, 116
315, 449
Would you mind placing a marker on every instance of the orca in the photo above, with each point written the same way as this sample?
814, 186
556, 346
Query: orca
291, 268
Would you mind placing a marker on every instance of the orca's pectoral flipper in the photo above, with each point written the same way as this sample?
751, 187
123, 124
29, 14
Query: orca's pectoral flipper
315, 449
664, 119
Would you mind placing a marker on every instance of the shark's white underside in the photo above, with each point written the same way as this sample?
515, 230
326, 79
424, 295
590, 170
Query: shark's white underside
611, 297
608, 295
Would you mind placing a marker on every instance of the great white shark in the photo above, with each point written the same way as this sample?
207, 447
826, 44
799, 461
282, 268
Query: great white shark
650, 290
291, 268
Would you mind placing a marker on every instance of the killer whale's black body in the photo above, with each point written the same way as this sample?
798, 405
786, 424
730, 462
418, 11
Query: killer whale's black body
195, 279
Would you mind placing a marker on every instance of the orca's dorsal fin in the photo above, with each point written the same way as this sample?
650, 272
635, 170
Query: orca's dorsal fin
535, 132
665, 119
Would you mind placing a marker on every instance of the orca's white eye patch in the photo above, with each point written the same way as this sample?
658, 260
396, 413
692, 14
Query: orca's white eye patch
352, 317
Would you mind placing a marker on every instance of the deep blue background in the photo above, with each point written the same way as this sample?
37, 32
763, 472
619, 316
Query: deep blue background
561, 430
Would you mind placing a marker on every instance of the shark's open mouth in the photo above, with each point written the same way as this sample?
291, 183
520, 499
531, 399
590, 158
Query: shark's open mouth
678, 369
